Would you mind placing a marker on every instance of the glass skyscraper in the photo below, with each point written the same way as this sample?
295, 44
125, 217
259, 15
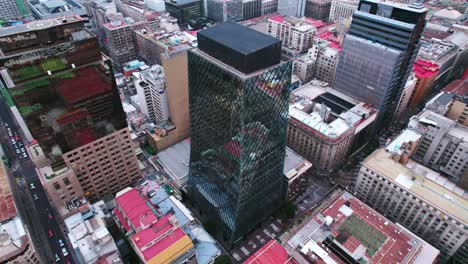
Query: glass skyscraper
239, 94
378, 54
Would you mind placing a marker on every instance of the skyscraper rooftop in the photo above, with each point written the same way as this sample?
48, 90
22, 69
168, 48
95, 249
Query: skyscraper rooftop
241, 47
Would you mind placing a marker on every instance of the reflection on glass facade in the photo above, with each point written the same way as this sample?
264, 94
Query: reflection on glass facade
61, 87
238, 134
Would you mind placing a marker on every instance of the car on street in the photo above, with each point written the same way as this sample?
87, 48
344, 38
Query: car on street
57, 258
18, 151
32, 186
50, 233
25, 155
61, 244
64, 251
35, 197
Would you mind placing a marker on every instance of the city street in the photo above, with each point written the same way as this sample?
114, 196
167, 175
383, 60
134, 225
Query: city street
32, 203
273, 227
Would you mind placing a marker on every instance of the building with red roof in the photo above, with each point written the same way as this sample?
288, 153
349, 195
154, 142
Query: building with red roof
156, 238
349, 231
426, 72
271, 253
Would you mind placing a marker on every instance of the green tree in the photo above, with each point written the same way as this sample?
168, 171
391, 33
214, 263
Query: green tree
223, 259
287, 210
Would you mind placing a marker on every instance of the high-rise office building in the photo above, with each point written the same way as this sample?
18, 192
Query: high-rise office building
184, 10
378, 54
318, 9
238, 95
251, 8
66, 100
224, 10
291, 7
14, 9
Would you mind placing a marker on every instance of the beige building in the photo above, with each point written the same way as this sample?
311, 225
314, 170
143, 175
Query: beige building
324, 124
326, 53
296, 33
304, 68
416, 197
63, 190
459, 111
342, 10
105, 165
176, 73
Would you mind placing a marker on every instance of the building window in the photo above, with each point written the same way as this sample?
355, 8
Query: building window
57, 186
66, 181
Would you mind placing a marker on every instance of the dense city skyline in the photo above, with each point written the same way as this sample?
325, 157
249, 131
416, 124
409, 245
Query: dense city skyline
233, 131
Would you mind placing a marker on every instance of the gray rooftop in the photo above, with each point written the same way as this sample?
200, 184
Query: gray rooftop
242, 39
176, 158
292, 160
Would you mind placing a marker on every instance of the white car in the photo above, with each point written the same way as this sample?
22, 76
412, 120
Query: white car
18, 151
64, 251
25, 155
57, 258
32, 186
35, 197
61, 244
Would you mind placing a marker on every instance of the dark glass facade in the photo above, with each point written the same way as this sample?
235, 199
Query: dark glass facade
238, 135
378, 55
185, 10
61, 87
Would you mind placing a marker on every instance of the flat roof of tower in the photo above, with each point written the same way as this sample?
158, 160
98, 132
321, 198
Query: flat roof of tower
239, 38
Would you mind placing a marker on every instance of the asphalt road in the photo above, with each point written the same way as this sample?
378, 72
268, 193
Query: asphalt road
37, 214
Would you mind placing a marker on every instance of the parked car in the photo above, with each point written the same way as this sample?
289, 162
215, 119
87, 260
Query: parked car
57, 258
50, 233
61, 244
35, 197
32, 186
64, 251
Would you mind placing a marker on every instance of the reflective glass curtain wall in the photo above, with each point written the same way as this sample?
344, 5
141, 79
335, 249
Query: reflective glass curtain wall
238, 134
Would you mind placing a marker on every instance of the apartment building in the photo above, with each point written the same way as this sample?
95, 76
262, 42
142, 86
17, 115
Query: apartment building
326, 51
325, 125
151, 90
418, 198
304, 68
119, 41
295, 33
341, 10
152, 44
425, 72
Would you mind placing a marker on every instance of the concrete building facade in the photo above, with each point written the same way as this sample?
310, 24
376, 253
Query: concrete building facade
251, 9
224, 10
295, 33
341, 10
14, 9
294, 8
418, 198
269, 7
325, 125
326, 52
151, 90
120, 42
443, 146
318, 9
